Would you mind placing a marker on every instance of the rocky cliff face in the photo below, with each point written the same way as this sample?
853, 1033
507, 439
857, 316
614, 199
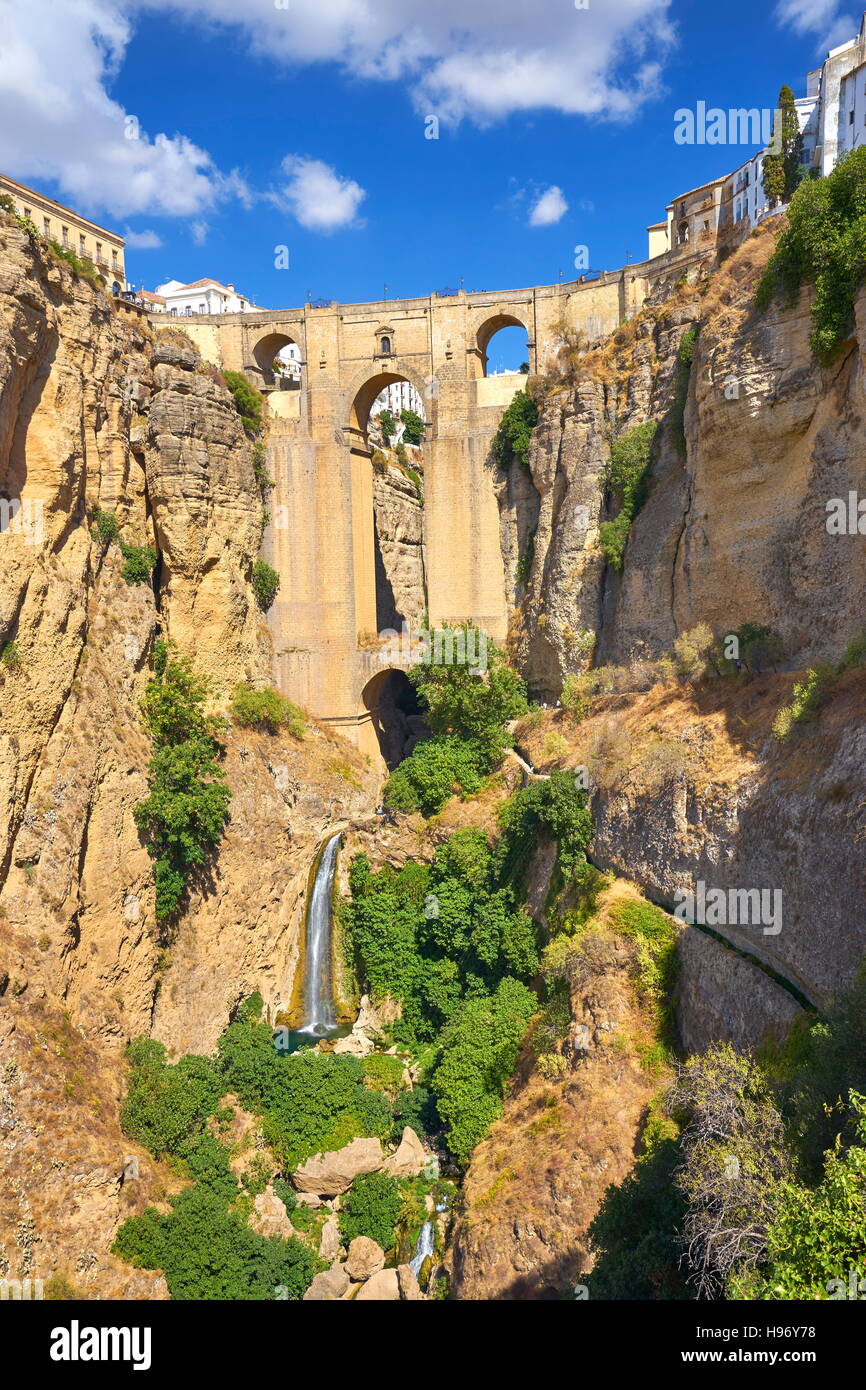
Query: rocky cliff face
734, 528
401, 594
96, 412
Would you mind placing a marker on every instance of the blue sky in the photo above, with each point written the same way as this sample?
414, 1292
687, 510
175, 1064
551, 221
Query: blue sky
304, 127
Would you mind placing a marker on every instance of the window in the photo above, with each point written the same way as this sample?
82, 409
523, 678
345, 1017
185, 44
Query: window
46, 226
64, 232
202, 308
850, 117
99, 250
386, 346
27, 214
173, 313
114, 260
81, 244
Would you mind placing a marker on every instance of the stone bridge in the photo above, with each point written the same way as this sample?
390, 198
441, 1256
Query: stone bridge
321, 539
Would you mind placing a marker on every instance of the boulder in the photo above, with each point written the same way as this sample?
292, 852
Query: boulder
329, 1245
365, 1258
309, 1199
269, 1216
410, 1289
410, 1157
329, 1286
383, 1287
332, 1173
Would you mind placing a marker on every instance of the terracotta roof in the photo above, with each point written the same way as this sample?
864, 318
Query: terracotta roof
154, 298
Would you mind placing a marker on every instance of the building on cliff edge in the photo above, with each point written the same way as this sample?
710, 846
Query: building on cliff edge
69, 229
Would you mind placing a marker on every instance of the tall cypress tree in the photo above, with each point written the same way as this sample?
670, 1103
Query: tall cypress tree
782, 168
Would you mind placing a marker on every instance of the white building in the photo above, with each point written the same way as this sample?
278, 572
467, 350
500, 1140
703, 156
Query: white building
832, 118
397, 396
202, 297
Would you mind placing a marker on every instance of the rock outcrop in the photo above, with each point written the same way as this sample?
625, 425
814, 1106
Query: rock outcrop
331, 1174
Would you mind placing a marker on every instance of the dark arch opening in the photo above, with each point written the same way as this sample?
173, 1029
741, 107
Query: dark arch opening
392, 702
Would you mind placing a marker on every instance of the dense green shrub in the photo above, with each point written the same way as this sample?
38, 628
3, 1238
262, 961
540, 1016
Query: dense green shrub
266, 709
479, 1051
417, 1109
413, 426
823, 245
626, 478
166, 1105
436, 769
371, 1208
265, 582
183, 817
207, 1251
467, 698
816, 1237
106, 527
557, 806
807, 697
511, 440
248, 401
139, 562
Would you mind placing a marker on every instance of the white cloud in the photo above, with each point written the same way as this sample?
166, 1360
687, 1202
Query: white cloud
199, 232
549, 207
59, 62
481, 60
822, 17
316, 195
57, 120
143, 241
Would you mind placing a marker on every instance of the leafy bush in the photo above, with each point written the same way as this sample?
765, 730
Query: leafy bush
692, 652
816, 1237
81, 265
387, 424
807, 698
265, 583
10, 656
260, 472
433, 772
183, 817
248, 401
139, 562
557, 806
626, 479
266, 709
413, 426
466, 708
417, 1109
166, 1105
207, 1251
511, 440
371, 1208
479, 1050
823, 246
106, 527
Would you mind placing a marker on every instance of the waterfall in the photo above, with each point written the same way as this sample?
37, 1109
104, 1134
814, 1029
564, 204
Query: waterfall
423, 1247
319, 1014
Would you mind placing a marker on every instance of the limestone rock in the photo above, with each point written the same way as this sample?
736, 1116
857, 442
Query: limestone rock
365, 1258
269, 1216
410, 1289
329, 1286
383, 1287
410, 1157
329, 1245
332, 1173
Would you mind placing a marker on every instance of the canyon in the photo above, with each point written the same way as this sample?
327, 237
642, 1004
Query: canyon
100, 409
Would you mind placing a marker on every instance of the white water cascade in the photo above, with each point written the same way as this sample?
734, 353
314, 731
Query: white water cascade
319, 1013
423, 1247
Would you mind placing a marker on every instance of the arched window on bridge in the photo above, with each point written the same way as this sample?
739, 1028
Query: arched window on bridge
502, 347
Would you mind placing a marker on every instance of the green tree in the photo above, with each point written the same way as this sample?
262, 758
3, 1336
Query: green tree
387, 424
626, 478
511, 441
265, 582
413, 431
783, 165
248, 401
371, 1208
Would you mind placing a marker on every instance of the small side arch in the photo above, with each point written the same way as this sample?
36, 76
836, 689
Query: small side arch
486, 331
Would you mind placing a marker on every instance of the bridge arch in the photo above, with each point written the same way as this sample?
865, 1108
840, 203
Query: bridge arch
487, 331
267, 349
390, 717
365, 389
